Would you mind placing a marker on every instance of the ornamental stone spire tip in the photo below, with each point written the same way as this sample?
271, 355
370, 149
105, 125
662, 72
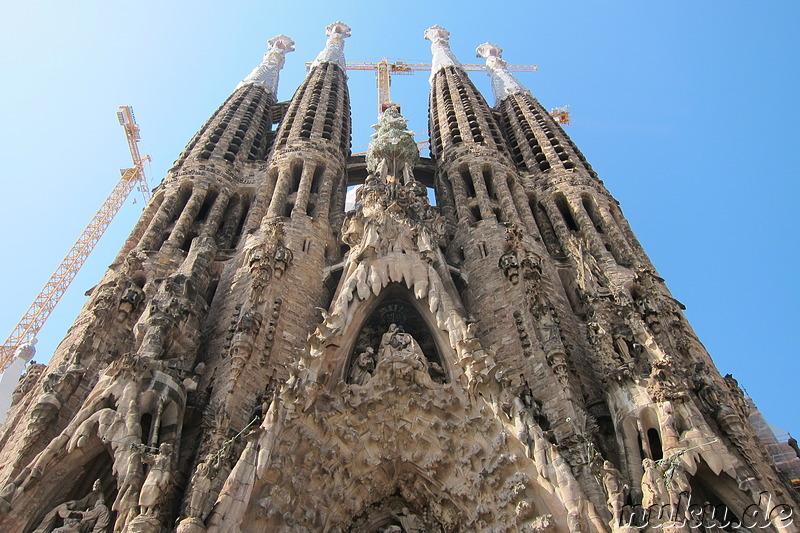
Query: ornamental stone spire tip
334, 47
266, 73
503, 82
440, 47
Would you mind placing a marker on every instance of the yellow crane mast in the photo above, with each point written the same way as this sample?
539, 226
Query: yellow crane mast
48, 298
384, 69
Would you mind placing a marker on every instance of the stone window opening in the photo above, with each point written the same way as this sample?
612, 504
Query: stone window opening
566, 213
654, 440
246, 203
489, 181
319, 171
468, 185
206, 207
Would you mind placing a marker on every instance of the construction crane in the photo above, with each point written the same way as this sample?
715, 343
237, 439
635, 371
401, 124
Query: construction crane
384, 69
48, 298
561, 115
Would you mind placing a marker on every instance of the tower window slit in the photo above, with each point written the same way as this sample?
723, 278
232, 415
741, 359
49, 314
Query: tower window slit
206, 207
566, 213
187, 242
488, 180
297, 172
469, 187
246, 204
589, 206
654, 440
317, 179
475, 212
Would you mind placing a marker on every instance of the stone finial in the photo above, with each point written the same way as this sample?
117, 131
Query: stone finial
266, 74
334, 48
503, 82
440, 47
26, 351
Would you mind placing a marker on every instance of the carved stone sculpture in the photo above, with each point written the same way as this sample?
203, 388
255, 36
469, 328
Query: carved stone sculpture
615, 490
510, 266
157, 484
654, 490
89, 514
363, 366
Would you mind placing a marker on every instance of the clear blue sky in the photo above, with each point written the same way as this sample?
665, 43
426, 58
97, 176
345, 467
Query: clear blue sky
687, 110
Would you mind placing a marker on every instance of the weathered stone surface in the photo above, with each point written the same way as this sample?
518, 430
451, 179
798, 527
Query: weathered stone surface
258, 359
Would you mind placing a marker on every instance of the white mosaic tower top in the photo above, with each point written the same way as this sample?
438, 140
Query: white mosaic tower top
503, 82
334, 48
440, 47
266, 74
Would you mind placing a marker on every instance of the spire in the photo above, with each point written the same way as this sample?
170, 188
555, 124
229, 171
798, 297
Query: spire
334, 48
440, 47
503, 82
266, 74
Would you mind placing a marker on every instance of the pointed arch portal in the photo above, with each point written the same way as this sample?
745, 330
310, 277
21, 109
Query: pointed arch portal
397, 305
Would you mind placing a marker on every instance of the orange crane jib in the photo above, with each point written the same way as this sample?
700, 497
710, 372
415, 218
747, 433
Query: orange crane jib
384, 69
54, 289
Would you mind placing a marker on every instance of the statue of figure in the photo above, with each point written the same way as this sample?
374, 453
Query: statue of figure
283, 258
531, 267
201, 489
130, 300
510, 266
72, 524
259, 408
386, 349
529, 431
677, 481
405, 345
410, 522
246, 329
363, 366
669, 431
738, 395
547, 326
100, 515
157, 484
68, 513
654, 490
615, 489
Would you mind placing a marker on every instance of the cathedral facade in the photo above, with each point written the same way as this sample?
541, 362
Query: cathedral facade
258, 358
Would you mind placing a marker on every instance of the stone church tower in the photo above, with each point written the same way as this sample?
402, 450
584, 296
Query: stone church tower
259, 359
